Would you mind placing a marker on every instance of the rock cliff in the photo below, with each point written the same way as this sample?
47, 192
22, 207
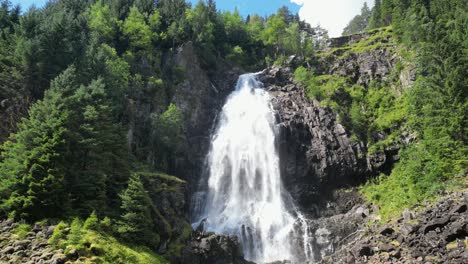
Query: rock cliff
437, 234
316, 153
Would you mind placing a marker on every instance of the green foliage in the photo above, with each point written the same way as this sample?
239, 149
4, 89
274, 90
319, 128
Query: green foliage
202, 26
47, 42
435, 107
33, 186
376, 17
76, 234
364, 111
100, 247
59, 234
168, 137
69, 142
92, 222
21, 231
105, 225
136, 30
359, 23
136, 224
102, 22
274, 31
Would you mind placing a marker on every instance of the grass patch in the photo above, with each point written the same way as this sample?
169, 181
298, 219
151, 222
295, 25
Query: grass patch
378, 39
100, 247
21, 231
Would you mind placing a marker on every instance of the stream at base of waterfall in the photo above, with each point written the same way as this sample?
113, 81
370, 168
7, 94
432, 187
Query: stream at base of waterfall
244, 195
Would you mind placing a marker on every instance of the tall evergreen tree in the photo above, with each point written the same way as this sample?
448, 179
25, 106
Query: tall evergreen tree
97, 157
359, 23
387, 12
31, 165
376, 17
136, 223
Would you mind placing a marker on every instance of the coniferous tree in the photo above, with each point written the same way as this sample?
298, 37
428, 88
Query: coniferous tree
97, 150
32, 167
136, 223
376, 17
359, 23
386, 12
136, 30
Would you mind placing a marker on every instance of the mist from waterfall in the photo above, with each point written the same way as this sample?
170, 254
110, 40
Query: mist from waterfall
245, 196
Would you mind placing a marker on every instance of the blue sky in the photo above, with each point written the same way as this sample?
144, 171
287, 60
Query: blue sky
330, 14
25, 4
261, 7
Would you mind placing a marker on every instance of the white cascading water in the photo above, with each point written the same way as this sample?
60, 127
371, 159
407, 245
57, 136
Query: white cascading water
245, 195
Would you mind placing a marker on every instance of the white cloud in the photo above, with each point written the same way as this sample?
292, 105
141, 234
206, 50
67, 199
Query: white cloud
333, 15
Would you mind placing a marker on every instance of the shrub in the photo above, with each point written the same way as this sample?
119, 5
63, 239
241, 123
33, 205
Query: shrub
76, 233
22, 231
92, 222
59, 234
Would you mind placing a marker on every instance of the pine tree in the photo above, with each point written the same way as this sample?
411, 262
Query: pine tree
359, 23
32, 167
387, 12
376, 17
136, 30
136, 223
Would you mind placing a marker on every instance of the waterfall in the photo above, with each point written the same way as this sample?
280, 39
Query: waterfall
245, 195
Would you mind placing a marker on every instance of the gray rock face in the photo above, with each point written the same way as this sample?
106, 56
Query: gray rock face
316, 153
334, 232
200, 98
366, 66
169, 195
435, 235
199, 95
210, 248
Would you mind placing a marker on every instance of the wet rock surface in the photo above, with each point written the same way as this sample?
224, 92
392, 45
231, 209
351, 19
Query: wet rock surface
213, 249
438, 234
328, 234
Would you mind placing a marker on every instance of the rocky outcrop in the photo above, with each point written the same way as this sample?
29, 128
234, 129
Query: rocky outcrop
365, 57
213, 249
198, 92
33, 248
169, 196
438, 234
331, 233
200, 97
316, 153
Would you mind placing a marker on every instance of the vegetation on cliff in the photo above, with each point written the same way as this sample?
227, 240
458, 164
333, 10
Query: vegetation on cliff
432, 37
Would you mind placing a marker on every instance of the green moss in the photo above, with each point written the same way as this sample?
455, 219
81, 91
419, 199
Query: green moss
21, 231
176, 247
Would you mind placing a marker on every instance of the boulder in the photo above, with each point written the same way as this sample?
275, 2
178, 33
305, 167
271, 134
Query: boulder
209, 248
